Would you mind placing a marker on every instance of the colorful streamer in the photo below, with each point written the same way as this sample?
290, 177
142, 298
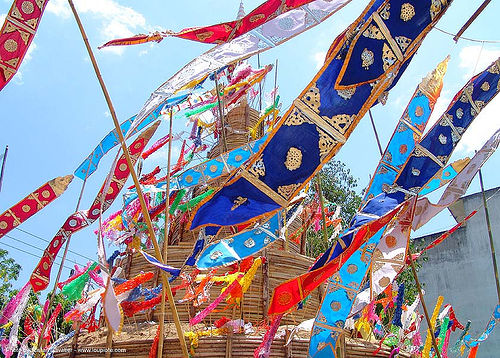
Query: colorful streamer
33, 203
41, 275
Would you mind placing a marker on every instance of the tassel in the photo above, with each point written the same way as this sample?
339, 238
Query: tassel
73, 290
442, 333
154, 348
444, 353
156, 146
473, 352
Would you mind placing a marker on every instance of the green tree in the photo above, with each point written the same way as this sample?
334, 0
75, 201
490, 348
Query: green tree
339, 187
9, 272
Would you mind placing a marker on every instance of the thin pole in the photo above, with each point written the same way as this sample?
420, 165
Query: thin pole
322, 202
221, 114
166, 232
490, 235
41, 342
3, 165
471, 20
166, 285
376, 134
275, 90
426, 313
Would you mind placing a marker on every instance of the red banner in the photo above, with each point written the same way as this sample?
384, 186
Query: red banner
40, 277
17, 32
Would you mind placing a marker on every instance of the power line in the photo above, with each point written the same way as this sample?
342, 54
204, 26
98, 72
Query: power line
34, 247
47, 241
27, 252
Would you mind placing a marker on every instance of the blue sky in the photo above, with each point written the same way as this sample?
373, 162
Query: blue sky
53, 111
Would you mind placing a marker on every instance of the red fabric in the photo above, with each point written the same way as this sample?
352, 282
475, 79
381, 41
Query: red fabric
473, 352
221, 322
131, 308
133, 283
17, 32
29, 206
156, 146
154, 348
40, 277
291, 292
224, 32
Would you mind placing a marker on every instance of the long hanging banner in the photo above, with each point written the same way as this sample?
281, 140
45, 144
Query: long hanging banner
220, 33
89, 165
358, 70
345, 285
458, 186
408, 131
18, 31
260, 39
441, 139
33, 203
40, 277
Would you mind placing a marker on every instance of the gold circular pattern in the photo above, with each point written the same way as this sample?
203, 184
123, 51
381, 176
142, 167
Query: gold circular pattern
26, 208
284, 298
238, 158
407, 12
352, 269
110, 191
3, 225
390, 241
384, 281
56, 243
45, 265
137, 145
46, 194
485, 86
27, 7
419, 111
213, 168
189, 179
123, 167
293, 159
10, 45
336, 306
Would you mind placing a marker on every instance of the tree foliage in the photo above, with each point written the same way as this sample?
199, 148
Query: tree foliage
339, 187
9, 272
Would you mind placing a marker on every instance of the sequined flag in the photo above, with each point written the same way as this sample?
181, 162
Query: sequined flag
33, 203
358, 70
41, 275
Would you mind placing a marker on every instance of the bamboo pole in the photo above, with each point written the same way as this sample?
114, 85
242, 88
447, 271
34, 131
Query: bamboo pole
165, 234
275, 90
490, 235
221, 114
166, 285
471, 20
322, 202
3, 165
376, 134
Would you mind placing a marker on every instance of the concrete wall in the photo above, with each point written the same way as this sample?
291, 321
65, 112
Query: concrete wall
461, 270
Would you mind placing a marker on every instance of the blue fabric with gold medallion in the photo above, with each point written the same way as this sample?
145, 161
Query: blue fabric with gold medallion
325, 114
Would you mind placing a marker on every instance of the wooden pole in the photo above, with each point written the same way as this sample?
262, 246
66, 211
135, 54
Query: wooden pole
3, 165
322, 202
471, 20
221, 114
166, 285
376, 134
275, 90
490, 235
166, 234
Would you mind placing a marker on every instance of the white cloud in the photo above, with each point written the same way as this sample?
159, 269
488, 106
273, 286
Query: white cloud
439, 108
471, 55
483, 127
318, 58
116, 20
29, 53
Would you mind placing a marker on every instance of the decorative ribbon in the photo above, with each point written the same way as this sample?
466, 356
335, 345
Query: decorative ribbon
156, 146
495, 318
112, 309
41, 275
18, 31
51, 350
73, 290
34, 202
